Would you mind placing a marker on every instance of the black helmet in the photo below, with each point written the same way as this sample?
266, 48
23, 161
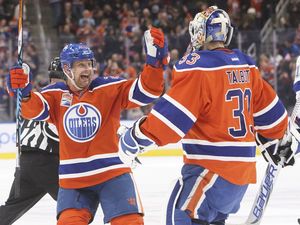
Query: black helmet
55, 70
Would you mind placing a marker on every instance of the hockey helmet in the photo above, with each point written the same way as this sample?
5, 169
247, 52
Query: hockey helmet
55, 70
213, 24
76, 52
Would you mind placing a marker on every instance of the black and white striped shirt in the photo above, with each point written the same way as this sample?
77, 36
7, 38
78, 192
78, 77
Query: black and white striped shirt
39, 136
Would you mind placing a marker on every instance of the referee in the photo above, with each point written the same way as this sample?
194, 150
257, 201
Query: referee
39, 162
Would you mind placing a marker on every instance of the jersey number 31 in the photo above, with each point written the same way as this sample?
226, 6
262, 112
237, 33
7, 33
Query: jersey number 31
243, 98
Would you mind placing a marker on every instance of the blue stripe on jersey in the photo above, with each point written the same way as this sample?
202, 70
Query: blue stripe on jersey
229, 151
140, 96
57, 85
88, 166
270, 116
215, 58
174, 115
44, 115
99, 81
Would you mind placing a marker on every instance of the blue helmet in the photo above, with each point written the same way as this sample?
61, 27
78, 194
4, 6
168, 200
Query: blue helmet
75, 52
213, 24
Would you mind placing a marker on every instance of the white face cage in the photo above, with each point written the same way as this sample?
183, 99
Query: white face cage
198, 27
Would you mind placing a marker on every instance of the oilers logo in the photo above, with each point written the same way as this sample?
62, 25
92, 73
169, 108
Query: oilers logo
81, 122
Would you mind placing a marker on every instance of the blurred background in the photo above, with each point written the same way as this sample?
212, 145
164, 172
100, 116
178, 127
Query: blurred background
268, 30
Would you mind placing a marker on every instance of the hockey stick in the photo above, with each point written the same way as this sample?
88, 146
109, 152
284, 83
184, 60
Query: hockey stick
19, 99
266, 187
262, 197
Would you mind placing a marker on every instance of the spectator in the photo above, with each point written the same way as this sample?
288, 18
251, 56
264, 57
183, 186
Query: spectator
4, 101
77, 8
86, 19
114, 70
66, 36
57, 12
68, 13
266, 69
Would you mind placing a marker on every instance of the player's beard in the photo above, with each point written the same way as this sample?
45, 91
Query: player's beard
84, 79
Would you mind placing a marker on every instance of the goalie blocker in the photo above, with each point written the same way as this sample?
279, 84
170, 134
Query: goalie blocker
281, 151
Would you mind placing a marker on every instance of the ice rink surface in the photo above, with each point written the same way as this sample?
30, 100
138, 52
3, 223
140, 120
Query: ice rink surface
154, 178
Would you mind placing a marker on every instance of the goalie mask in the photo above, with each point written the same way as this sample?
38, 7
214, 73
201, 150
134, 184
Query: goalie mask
72, 53
213, 24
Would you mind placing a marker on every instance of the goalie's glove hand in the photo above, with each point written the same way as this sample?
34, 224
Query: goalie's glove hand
289, 145
132, 142
156, 48
285, 151
268, 148
19, 77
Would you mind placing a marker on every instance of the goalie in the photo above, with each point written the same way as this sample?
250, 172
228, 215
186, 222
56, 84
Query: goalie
218, 101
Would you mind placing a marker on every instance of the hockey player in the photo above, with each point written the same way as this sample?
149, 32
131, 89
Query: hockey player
87, 115
217, 102
39, 162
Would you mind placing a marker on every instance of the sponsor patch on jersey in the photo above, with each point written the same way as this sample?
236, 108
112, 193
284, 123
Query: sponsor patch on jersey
66, 99
82, 121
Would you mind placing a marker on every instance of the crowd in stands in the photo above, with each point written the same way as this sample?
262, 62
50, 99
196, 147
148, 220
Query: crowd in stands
114, 30
9, 11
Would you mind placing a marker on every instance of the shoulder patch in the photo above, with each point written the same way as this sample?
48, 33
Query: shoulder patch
66, 99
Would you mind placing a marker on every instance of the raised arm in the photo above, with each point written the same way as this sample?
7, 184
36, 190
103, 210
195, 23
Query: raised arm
149, 85
34, 105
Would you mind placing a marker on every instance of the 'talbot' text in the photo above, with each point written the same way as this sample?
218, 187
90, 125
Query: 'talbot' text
238, 76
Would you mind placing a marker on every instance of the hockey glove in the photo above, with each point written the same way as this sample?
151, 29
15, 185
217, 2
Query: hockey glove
289, 146
19, 77
268, 148
132, 142
156, 48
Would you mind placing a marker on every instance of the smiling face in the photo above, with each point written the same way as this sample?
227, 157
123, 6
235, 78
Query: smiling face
83, 72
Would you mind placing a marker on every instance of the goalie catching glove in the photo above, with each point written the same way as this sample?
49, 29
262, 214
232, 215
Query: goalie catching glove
132, 142
19, 77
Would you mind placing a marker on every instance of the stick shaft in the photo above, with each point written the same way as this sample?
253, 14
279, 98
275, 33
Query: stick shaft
19, 99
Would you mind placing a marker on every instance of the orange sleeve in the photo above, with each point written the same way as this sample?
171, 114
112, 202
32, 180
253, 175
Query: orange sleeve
143, 90
270, 116
36, 107
176, 111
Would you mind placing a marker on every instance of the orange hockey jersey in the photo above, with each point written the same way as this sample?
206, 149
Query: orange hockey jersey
87, 124
216, 103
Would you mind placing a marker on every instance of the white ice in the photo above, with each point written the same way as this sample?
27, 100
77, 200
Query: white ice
154, 178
